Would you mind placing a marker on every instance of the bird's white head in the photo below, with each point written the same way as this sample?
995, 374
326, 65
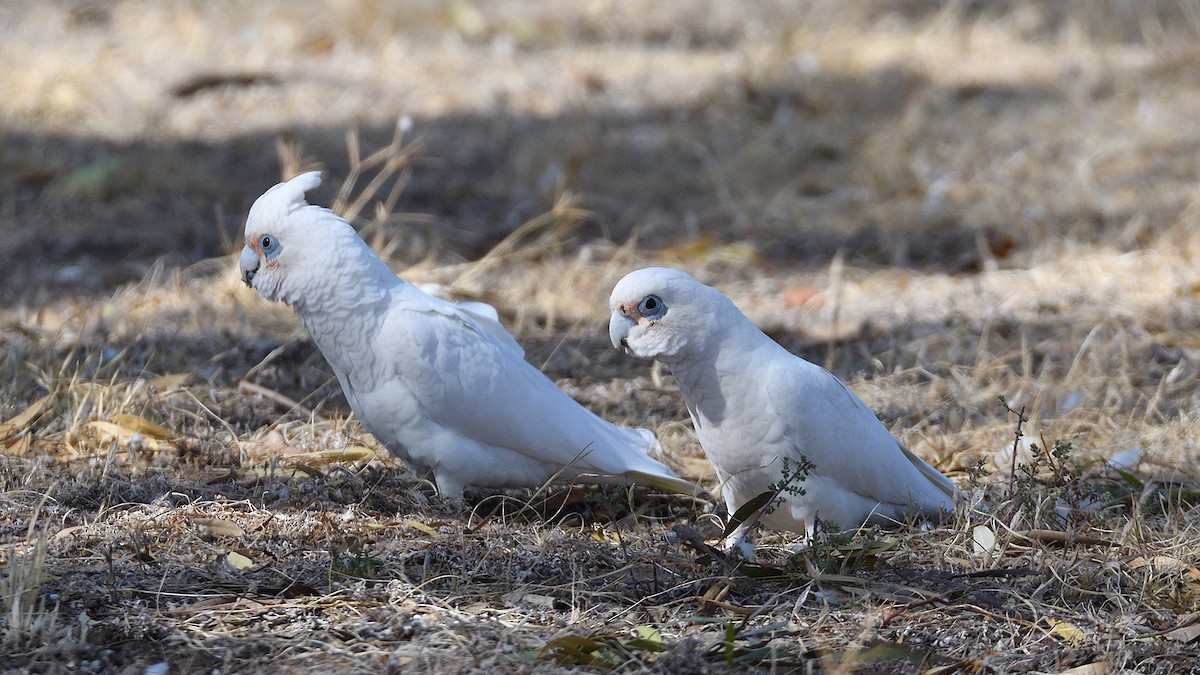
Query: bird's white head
661, 313
293, 248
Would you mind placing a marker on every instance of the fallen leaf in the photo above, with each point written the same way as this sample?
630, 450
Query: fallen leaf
709, 249
1133, 480
278, 472
748, 509
1064, 538
92, 181
218, 527
352, 454
20, 445
240, 562
142, 425
110, 430
67, 531
418, 525
983, 540
1157, 563
648, 633
26, 417
1066, 630
1097, 668
536, 599
573, 649
128, 437
606, 537
168, 382
803, 296
1184, 634
1126, 460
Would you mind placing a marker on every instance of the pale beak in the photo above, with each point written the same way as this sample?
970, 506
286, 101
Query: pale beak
618, 330
249, 264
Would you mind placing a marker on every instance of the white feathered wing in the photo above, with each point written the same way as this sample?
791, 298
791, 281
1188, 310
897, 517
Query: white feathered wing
863, 474
479, 414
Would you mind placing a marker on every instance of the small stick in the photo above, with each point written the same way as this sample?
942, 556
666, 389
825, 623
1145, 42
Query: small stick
1012, 470
252, 389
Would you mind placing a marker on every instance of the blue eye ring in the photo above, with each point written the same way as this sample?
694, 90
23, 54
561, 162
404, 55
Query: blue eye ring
269, 245
652, 307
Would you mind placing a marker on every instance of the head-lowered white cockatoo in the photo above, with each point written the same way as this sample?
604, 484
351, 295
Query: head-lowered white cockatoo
442, 385
755, 405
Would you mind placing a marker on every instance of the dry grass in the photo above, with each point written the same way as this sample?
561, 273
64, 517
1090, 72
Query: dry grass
943, 202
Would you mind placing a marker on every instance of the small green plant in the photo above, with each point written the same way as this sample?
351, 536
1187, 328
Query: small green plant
1051, 474
729, 644
357, 562
749, 515
828, 535
743, 645
789, 482
1064, 481
603, 651
832, 549
977, 471
610, 499
1063, 472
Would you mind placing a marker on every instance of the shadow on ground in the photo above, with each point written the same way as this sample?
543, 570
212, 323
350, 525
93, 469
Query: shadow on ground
781, 166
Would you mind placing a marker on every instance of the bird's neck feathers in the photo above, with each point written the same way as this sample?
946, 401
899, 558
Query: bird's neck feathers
731, 345
345, 277
342, 298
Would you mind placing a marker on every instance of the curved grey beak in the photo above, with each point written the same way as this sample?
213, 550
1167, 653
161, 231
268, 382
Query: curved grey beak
618, 330
249, 264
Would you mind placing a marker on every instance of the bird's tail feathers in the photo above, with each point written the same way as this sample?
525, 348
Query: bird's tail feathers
936, 477
672, 484
644, 441
647, 443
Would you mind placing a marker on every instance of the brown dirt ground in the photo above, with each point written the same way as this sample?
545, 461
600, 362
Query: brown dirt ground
944, 203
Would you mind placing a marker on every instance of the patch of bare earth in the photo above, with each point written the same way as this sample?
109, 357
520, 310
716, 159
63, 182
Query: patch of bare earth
944, 204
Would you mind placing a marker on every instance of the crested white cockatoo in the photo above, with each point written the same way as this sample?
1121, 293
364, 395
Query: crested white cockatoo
760, 411
440, 384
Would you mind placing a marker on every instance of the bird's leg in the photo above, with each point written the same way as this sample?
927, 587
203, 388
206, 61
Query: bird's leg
450, 489
656, 374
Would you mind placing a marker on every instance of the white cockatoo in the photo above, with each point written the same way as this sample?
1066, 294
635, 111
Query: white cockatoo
442, 385
759, 411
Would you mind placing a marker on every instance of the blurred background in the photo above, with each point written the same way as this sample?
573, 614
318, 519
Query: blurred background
939, 136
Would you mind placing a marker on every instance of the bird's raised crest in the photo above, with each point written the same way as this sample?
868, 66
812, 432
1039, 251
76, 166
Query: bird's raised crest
282, 199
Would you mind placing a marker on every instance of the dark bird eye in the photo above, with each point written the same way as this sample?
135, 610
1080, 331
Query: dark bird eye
269, 245
652, 307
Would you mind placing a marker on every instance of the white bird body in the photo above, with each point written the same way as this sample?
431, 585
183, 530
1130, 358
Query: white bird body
440, 384
754, 404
